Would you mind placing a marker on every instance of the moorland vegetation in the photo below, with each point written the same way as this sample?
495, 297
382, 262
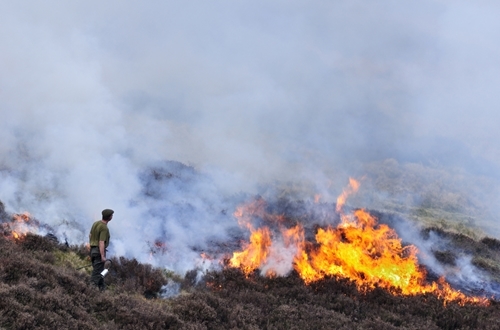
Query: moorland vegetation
45, 285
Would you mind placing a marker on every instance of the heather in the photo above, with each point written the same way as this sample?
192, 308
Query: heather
42, 288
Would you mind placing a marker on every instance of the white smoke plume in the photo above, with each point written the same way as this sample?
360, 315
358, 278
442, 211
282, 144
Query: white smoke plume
94, 96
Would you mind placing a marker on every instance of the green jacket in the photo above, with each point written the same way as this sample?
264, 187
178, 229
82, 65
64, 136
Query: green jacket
99, 232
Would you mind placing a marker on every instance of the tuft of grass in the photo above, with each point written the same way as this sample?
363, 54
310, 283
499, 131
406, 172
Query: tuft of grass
170, 274
72, 259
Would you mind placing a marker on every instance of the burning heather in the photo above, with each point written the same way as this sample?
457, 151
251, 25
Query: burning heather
17, 226
358, 248
22, 224
316, 241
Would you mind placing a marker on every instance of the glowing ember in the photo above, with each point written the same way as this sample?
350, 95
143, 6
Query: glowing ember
369, 254
157, 247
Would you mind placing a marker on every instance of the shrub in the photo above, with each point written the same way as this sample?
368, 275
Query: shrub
134, 276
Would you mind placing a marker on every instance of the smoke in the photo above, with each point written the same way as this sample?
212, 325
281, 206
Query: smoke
95, 97
458, 271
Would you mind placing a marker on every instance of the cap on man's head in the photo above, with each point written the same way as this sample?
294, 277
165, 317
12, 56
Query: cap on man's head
107, 213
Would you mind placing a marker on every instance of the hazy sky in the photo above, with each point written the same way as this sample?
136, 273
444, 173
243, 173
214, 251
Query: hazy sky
248, 91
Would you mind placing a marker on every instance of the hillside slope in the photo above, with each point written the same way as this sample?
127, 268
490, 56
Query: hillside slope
41, 288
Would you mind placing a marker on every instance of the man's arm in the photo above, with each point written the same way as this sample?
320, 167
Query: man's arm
102, 250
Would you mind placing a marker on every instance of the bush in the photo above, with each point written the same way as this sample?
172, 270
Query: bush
134, 276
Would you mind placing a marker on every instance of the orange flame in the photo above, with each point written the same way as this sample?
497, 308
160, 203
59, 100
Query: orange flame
245, 213
255, 253
272, 257
157, 247
351, 189
369, 254
20, 226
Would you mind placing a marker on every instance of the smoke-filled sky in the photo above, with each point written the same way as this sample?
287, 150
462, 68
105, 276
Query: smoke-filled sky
247, 92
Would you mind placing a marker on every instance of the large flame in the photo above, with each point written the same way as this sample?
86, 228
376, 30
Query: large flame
369, 254
263, 251
255, 253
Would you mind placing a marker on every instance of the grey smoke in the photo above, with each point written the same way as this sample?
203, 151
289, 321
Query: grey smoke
170, 290
92, 94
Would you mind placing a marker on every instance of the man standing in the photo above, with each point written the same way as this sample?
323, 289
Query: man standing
99, 241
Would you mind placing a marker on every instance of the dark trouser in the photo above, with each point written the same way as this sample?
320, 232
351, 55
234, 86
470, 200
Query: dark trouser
98, 265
